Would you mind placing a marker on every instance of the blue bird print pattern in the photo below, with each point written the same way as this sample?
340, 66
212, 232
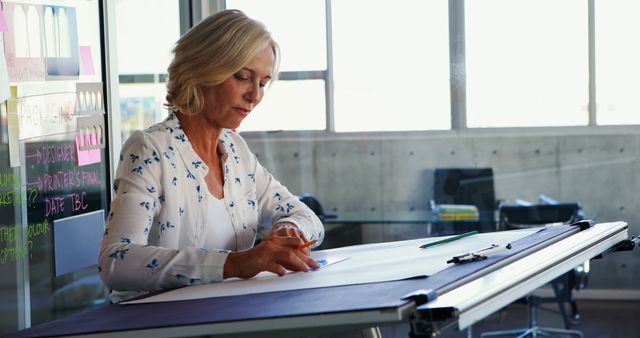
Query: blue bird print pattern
190, 280
252, 203
134, 157
153, 264
119, 254
190, 175
199, 194
166, 226
137, 169
289, 207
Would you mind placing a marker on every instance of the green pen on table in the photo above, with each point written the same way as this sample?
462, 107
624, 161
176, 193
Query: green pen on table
447, 240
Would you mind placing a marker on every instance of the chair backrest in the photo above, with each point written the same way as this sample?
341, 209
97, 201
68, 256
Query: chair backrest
467, 186
522, 216
315, 206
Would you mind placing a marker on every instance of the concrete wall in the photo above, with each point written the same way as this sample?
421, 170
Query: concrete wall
386, 176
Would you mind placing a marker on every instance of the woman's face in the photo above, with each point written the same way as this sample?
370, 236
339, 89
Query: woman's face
227, 104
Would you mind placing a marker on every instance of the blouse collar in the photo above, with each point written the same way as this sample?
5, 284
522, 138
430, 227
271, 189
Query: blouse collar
179, 137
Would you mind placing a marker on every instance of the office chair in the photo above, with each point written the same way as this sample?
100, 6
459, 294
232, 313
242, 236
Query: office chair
522, 216
315, 206
468, 186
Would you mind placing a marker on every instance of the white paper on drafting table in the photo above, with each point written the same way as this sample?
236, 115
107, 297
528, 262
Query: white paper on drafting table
368, 263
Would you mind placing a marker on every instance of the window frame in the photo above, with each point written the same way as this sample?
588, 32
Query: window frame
457, 65
191, 11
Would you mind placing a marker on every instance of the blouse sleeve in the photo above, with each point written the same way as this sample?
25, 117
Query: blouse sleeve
127, 261
278, 205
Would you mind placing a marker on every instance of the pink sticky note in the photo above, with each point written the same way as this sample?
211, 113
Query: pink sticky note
87, 60
86, 157
3, 22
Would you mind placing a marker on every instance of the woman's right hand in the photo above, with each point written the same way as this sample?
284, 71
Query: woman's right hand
275, 254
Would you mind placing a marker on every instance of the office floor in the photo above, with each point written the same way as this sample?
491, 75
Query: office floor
600, 319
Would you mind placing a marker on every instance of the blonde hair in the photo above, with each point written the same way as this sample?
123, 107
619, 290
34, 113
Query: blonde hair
211, 52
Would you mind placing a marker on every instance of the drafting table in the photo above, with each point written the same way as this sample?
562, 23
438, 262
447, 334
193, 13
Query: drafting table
457, 296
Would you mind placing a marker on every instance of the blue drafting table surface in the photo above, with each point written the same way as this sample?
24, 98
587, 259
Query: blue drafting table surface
133, 319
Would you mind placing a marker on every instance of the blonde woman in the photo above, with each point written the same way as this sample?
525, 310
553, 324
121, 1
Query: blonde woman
190, 195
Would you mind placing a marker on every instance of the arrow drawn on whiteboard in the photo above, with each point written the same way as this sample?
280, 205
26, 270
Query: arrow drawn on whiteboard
39, 183
37, 155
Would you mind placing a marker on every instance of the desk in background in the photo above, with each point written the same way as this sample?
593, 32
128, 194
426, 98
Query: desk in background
351, 228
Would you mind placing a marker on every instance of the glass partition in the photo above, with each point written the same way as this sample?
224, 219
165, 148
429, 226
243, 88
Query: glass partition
11, 241
53, 113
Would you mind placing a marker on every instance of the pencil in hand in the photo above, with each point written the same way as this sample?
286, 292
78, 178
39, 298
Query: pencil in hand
306, 245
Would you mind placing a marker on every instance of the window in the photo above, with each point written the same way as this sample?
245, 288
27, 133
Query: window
400, 58
617, 67
144, 53
389, 71
527, 66
391, 66
299, 29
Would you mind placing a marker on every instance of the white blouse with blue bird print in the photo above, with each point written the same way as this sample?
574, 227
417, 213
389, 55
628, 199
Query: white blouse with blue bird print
156, 227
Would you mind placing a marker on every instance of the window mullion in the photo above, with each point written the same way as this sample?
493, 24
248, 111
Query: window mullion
592, 64
328, 81
457, 67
